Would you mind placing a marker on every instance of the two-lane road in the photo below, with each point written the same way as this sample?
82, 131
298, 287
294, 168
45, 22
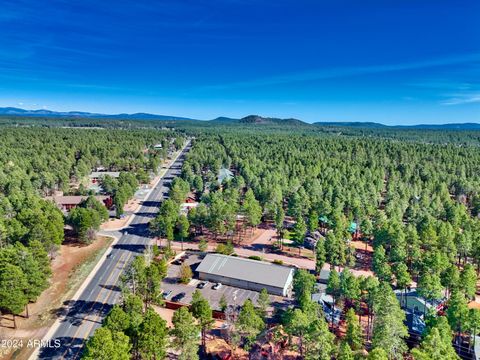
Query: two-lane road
81, 317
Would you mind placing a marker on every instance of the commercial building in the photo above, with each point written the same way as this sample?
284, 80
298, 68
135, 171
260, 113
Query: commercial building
96, 176
247, 274
66, 203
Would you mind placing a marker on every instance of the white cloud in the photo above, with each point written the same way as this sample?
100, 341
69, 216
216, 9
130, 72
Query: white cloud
462, 99
331, 73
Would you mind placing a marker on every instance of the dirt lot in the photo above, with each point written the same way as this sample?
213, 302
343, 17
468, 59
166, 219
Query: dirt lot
70, 267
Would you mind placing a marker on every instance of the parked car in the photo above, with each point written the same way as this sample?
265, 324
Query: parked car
167, 294
202, 284
178, 297
177, 262
217, 286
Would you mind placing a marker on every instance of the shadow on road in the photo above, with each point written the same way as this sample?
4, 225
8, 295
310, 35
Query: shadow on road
75, 311
136, 248
112, 287
149, 203
138, 230
146, 214
62, 347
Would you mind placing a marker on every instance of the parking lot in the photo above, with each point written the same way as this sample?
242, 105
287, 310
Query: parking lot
234, 295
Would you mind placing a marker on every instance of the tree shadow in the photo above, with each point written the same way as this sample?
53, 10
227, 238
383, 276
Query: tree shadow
138, 230
146, 214
75, 314
170, 280
112, 287
2, 322
75, 311
136, 248
257, 247
151, 203
62, 347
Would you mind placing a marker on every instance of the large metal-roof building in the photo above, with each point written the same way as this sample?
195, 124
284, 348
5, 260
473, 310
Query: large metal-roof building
247, 274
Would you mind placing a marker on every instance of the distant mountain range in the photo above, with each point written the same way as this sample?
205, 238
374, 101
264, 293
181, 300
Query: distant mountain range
374, 125
80, 114
250, 119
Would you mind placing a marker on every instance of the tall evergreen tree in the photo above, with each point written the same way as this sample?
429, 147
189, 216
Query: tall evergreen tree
389, 330
185, 334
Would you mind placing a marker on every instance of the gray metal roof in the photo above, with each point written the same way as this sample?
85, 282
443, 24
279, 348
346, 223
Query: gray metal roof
99, 174
246, 269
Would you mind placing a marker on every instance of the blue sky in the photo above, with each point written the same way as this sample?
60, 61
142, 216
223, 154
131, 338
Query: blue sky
395, 62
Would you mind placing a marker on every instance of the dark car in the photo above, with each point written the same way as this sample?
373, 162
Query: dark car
178, 297
202, 284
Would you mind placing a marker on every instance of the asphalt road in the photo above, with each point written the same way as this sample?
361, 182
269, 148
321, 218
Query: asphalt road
85, 315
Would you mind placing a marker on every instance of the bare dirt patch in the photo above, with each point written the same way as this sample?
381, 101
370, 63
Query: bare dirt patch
70, 267
114, 224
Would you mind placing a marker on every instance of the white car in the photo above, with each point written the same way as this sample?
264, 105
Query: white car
217, 286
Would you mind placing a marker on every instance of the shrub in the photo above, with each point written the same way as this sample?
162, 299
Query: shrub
185, 273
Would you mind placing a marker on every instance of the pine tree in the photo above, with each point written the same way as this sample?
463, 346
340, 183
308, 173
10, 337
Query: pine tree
279, 219
202, 311
13, 287
249, 323
345, 352
318, 341
380, 265
320, 256
223, 304
252, 209
468, 281
152, 336
457, 312
333, 287
117, 320
402, 277
299, 230
185, 334
377, 354
263, 302
435, 347
389, 330
353, 334
303, 283
313, 221
183, 227
298, 325
107, 345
